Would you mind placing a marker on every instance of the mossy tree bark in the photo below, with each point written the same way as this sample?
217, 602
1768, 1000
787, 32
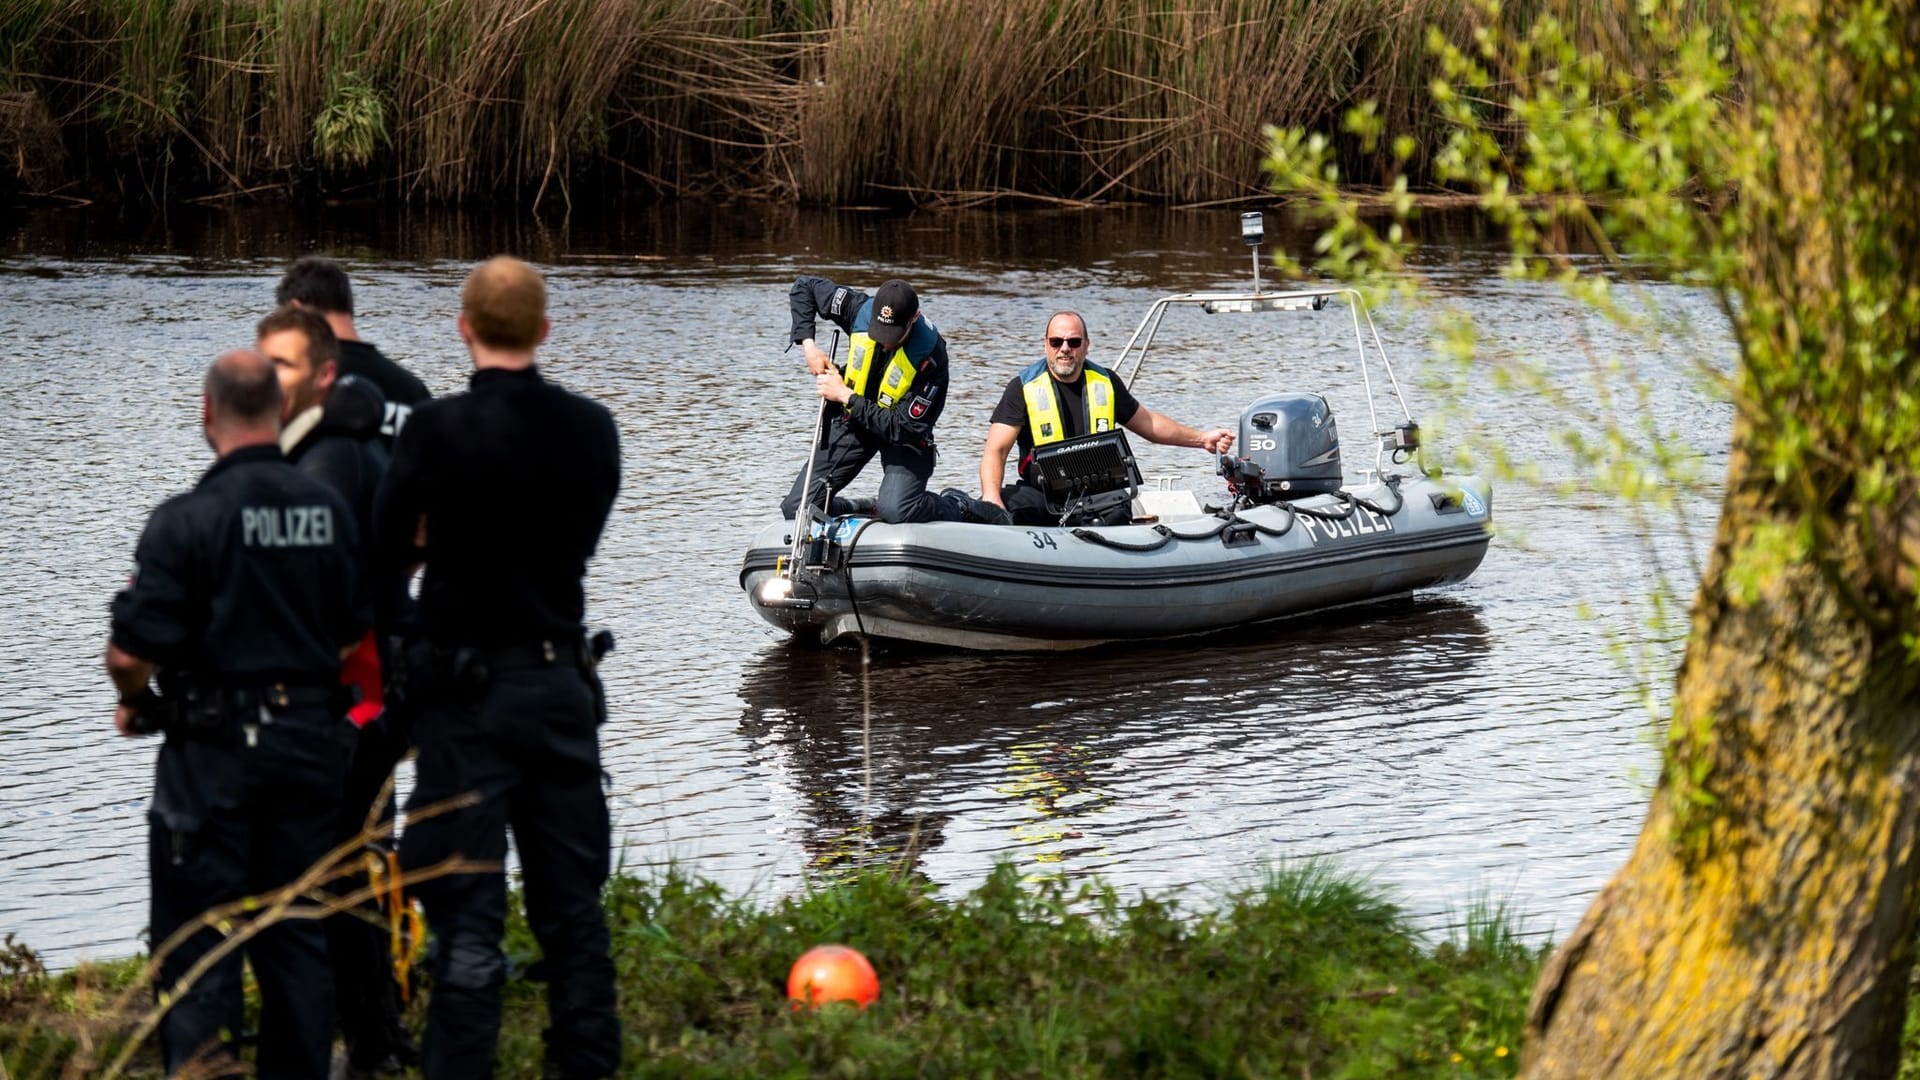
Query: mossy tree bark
1764, 923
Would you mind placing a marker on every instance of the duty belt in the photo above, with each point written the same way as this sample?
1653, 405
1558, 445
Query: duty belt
282, 696
536, 654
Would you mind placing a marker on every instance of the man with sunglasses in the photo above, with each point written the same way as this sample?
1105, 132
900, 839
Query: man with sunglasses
1064, 396
884, 402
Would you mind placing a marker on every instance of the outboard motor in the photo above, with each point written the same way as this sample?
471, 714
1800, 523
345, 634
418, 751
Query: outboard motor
1290, 449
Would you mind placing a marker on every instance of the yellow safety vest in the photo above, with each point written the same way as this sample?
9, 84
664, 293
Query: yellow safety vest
893, 385
1043, 402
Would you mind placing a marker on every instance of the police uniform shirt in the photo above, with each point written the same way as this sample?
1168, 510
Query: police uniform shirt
909, 421
1012, 409
402, 389
251, 576
515, 478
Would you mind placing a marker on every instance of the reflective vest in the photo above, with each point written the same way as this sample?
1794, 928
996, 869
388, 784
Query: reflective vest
893, 385
1043, 402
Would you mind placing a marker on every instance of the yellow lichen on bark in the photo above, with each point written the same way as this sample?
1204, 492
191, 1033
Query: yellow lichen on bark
1749, 949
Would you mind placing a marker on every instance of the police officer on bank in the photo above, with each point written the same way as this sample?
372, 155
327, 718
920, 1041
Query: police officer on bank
331, 432
885, 402
510, 485
244, 596
320, 285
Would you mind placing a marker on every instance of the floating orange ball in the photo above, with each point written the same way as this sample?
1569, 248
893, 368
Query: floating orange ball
832, 973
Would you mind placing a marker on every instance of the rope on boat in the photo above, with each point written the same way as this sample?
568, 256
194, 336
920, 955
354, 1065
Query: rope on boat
1350, 501
1232, 526
1239, 525
1209, 534
1092, 537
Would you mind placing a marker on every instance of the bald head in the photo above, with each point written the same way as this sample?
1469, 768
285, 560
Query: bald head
504, 304
241, 404
242, 389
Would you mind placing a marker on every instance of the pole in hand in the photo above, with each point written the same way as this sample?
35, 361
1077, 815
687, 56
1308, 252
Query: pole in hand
803, 517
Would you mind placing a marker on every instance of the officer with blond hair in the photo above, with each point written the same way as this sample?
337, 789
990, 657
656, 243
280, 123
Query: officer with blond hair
509, 484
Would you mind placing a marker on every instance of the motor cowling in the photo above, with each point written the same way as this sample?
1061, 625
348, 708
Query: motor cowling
1289, 448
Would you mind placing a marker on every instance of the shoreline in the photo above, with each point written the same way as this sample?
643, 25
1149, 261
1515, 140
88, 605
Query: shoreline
1303, 969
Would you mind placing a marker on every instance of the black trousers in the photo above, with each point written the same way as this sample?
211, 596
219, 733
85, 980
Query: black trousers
230, 821
365, 995
529, 749
903, 483
1027, 504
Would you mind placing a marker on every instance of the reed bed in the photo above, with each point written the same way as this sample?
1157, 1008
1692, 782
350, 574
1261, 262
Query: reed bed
820, 101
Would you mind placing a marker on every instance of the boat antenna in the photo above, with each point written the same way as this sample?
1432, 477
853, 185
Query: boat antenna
1253, 230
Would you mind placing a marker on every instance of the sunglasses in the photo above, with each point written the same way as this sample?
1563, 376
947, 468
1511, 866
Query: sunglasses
1069, 342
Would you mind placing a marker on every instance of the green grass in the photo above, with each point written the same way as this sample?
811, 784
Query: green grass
1305, 973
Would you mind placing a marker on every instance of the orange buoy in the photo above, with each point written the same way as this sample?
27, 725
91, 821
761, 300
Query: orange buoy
832, 973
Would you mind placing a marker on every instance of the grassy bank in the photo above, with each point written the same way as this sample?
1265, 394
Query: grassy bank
1304, 975
822, 101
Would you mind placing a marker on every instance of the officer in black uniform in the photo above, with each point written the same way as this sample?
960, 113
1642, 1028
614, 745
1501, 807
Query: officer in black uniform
319, 284
331, 432
510, 484
245, 594
889, 397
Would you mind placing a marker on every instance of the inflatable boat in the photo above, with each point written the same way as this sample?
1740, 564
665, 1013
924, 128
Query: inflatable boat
1292, 536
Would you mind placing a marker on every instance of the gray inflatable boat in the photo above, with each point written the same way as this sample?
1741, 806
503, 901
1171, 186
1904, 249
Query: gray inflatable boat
1294, 536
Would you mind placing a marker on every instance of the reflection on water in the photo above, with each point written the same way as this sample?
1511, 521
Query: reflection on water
1051, 746
1478, 740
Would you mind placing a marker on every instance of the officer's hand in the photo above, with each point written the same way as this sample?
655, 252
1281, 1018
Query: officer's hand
833, 388
1218, 441
818, 362
123, 721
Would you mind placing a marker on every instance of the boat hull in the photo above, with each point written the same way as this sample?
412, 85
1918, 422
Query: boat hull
1013, 587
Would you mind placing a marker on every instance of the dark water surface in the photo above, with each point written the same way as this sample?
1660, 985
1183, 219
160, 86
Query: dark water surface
1483, 740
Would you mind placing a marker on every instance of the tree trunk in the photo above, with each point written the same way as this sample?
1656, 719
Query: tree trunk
1764, 925
1766, 932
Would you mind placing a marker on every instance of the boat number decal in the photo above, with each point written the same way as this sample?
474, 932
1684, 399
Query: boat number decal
1041, 540
1472, 502
1358, 523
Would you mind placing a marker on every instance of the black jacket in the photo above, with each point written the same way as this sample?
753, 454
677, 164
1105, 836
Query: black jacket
515, 479
910, 421
253, 576
345, 451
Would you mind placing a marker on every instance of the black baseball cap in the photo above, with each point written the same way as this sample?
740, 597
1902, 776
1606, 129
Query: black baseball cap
894, 306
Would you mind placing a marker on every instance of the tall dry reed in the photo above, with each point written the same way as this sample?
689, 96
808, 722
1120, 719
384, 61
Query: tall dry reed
834, 101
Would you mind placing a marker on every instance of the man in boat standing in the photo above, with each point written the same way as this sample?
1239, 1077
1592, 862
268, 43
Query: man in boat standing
1062, 396
888, 397
510, 483
331, 431
245, 594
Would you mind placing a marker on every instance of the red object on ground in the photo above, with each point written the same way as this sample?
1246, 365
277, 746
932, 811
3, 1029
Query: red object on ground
832, 973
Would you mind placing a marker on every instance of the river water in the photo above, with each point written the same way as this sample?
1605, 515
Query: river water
1484, 741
